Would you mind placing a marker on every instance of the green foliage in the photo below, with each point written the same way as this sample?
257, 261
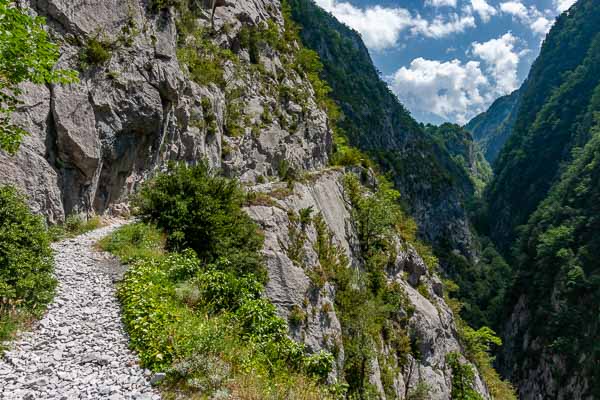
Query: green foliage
463, 379
558, 270
492, 128
379, 218
199, 314
369, 308
95, 52
297, 316
206, 326
156, 6
203, 211
458, 143
296, 238
478, 347
74, 225
420, 392
26, 281
555, 113
482, 285
134, 241
203, 58
26, 55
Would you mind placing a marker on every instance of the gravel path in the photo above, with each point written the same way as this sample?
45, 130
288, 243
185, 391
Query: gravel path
79, 349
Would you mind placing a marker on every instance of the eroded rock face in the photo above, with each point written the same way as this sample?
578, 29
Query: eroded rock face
94, 141
290, 287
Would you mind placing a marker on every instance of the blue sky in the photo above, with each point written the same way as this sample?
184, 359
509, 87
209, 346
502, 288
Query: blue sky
448, 60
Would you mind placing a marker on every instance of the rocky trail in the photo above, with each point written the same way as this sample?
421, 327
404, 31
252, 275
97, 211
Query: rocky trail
79, 350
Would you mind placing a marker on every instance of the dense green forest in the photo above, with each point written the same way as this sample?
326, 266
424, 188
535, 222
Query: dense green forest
555, 114
559, 273
543, 207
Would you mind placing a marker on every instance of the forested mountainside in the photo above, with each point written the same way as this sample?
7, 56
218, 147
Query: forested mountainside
492, 128
543, 205
310, 245
556, 111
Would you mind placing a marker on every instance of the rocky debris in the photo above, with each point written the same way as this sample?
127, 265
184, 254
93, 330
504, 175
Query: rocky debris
79, 350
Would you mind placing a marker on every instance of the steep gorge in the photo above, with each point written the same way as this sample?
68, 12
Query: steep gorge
158, 83
164, 81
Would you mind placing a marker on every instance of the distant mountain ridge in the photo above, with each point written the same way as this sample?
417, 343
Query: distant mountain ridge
492, 128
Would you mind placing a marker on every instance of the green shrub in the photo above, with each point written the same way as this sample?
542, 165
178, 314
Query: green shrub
297, 316
74, 225
27, 54
209, 328
156, 6
135, 241
95, 52
463, 379
198, 313
26, 281
202, 211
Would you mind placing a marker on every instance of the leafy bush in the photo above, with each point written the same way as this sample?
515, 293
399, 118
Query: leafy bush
202, 211
463, 379
95, 52
135, 241
74, 225
198, 313
159, 5
27, 55
208, 328
26, 281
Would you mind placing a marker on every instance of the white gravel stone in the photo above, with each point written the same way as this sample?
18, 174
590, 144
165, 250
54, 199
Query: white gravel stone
79, 349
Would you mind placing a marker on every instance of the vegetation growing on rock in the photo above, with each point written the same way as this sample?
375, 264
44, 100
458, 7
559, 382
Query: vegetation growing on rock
26, 55
197, 311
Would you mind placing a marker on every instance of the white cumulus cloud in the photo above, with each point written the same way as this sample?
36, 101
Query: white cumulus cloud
501, 61
563, 5
541, 25
381, 27
484, 10
441, 3
440, 27
515, 8
456, 90
534, 18
452, 90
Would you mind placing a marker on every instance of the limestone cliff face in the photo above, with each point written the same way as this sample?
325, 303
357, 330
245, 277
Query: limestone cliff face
289, 287
92, 143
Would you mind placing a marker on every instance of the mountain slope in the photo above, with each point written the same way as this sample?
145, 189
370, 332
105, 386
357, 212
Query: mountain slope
160, 84
492, 128
555, 114
433, 185
543, 205
552, 335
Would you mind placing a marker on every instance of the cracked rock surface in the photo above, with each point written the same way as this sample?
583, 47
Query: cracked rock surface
79, 350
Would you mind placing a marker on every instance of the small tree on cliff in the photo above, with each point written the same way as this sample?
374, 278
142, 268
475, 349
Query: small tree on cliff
26, 55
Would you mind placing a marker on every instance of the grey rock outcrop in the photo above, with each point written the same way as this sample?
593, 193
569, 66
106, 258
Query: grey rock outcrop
291, 289
91, 143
